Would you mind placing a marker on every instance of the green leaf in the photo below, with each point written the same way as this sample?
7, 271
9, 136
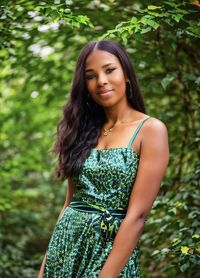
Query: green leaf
145, 30
137, 28
152, 7
168, 79
68, 11
165, 250
150, 22
54, 15
195, 30
185, 266
155, 14
155, 252
177, 17
181, 11
133, 20
196, 236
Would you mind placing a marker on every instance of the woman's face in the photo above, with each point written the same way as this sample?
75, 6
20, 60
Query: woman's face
105, 79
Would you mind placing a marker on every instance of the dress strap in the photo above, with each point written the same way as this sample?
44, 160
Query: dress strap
136, 132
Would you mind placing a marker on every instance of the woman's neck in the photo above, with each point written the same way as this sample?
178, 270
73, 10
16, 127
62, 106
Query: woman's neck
117, 116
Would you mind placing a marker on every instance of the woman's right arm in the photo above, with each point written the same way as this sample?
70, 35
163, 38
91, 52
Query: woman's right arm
68, 199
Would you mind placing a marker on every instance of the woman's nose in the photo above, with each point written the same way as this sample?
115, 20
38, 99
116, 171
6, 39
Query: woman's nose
102, 79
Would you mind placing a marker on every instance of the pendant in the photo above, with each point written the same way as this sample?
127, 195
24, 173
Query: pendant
107, 131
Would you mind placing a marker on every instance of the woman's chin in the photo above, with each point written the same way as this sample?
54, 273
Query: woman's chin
107, 104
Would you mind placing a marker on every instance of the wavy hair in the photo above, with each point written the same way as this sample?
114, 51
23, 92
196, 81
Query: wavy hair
83, 118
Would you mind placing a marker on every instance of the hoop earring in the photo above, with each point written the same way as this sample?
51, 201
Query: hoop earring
129, 89
89, 104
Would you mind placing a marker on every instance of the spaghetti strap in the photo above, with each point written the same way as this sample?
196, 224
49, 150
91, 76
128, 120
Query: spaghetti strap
136, 132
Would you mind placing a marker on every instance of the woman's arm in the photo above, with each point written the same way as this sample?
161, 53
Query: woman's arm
69, 195
153, 162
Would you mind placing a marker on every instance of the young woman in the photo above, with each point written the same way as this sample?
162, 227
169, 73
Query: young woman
114, 157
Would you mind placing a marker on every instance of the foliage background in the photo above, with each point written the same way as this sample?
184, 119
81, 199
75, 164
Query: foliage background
39, 45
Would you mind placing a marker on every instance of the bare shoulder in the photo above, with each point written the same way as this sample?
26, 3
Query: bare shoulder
155, 138
154, 126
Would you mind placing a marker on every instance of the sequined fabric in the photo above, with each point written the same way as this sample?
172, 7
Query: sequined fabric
76, 249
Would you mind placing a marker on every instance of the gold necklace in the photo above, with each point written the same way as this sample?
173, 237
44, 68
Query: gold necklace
107, 131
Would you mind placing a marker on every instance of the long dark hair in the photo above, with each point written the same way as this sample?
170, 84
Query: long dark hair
80, 126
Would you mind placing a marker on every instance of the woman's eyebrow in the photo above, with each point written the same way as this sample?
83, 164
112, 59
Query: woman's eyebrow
104, 66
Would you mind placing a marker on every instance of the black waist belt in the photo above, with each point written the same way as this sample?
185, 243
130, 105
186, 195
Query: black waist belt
110, 219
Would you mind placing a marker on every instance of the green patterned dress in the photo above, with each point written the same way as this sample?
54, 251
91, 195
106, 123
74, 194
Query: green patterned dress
83, 237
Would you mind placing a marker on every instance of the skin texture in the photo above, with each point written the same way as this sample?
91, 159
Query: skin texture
105, 69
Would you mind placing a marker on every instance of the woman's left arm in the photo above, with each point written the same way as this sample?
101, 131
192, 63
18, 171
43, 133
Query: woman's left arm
153, 163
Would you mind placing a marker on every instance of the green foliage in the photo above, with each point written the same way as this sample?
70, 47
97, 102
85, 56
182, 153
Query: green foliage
58, 12
39, 46
177, 228
166, 16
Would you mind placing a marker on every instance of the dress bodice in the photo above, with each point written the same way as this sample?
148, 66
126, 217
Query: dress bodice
107, 176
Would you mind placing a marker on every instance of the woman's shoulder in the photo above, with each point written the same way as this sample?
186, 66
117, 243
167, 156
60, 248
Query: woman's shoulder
154, 139
154, 126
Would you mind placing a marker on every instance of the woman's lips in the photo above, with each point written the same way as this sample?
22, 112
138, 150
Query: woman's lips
105, 93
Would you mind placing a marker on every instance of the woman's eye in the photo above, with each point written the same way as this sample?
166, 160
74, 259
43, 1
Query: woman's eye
88, 77
110, 70
91, 76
